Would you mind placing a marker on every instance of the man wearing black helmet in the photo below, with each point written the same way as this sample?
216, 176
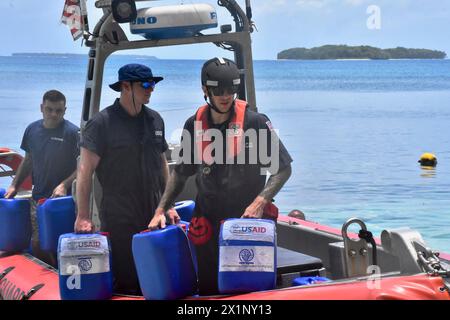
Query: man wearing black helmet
217, 146
124, 144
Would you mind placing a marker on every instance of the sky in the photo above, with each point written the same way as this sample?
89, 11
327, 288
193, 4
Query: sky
34, 26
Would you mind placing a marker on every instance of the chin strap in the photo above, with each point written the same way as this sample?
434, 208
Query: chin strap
132, 95
212, 106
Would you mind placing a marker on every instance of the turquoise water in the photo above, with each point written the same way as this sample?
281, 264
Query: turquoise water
355, 129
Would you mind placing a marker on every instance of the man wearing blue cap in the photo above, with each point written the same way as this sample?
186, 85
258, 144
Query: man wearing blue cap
124, 144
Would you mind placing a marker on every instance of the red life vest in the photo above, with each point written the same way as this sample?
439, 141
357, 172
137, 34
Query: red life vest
235, 132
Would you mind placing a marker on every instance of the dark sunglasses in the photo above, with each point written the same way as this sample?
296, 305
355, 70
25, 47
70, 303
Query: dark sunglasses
221, 91
148, 84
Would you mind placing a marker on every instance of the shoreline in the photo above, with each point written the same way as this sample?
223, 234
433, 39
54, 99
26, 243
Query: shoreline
71, 55
362, 59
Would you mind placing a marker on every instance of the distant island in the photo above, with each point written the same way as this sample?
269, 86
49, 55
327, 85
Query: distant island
358, 52
75, 55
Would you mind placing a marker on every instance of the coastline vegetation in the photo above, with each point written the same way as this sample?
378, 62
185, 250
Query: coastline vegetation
358, 52
71, 55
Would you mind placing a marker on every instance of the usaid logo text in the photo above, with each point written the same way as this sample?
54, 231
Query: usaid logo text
84, 244
238, 229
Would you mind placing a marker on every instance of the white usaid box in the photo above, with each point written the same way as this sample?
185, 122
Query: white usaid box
247, 255
84, 267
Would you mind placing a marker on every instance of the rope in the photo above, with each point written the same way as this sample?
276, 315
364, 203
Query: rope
368, 236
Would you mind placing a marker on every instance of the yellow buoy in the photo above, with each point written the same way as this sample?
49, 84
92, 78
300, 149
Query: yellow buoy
428, 159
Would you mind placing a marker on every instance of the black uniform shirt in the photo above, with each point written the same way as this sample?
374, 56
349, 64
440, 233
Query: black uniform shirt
130, 167
225, 190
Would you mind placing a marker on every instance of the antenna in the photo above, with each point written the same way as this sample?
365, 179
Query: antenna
248, 10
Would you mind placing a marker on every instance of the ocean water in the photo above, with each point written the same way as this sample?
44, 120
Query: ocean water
355, 129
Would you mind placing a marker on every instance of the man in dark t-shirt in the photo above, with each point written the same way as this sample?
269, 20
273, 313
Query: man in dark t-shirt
124, 144
51, 151
224, 145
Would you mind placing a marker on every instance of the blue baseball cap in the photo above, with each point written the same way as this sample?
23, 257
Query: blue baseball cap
134, 72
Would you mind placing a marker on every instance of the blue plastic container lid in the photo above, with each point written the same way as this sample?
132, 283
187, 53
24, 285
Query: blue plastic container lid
184, 204
185, 209
304, 281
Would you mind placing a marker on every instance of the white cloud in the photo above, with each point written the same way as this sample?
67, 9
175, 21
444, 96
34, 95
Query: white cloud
323, 3
355, 2
313, 3
267, 5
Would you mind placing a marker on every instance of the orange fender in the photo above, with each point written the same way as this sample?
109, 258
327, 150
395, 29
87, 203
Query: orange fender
416, 287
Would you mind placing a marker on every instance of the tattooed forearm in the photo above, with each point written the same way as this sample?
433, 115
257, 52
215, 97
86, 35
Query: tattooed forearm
173, 188
275, 183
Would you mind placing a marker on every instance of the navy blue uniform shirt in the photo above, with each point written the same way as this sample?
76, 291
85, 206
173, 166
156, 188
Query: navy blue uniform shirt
130, 172
54, 155
130, 167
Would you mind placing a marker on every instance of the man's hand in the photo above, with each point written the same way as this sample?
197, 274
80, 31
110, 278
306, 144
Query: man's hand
255, 209
159, 219
11, 192
84, 226
59, 191
173, 215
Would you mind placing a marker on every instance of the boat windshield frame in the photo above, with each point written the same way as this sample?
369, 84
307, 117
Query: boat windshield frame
108, 37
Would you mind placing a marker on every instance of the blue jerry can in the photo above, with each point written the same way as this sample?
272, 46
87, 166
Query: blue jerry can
56, 216
185, 209
15, 225
164, 264
306, 281
185, 226
247, 255
84, 262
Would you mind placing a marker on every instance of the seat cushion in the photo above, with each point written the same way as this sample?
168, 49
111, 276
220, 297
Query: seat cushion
289, 261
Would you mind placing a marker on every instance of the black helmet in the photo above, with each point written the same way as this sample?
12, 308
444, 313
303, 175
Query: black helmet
220, 72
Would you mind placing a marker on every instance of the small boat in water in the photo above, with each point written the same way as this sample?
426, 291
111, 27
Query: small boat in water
405, 269
313, 261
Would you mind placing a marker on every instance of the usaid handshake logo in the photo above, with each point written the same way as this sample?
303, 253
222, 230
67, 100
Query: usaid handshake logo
246, 256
